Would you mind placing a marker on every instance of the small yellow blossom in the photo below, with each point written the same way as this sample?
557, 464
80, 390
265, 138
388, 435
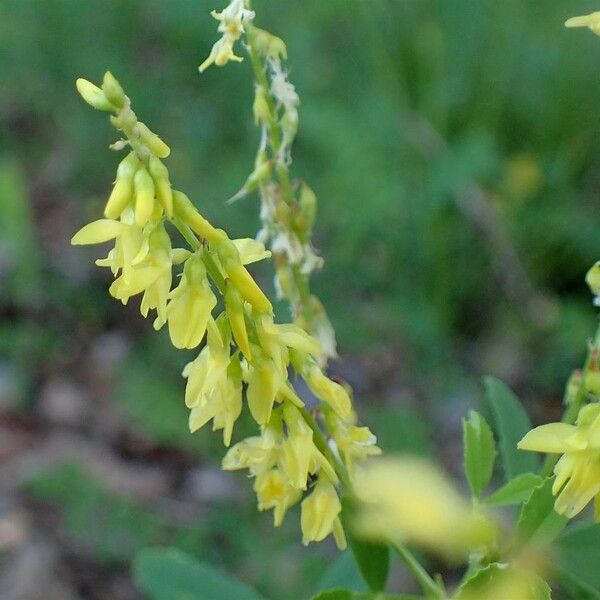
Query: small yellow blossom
320, 515
592, 21
273, 490
578, 470
352, 442
592, 278
410, 499
214, 387
231, 24
190, 305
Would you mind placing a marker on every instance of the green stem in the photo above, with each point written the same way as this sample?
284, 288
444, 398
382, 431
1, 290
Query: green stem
323, 447
430, 588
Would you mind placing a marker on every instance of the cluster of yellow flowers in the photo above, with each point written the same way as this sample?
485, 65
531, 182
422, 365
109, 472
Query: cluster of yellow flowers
288, 207
244, 347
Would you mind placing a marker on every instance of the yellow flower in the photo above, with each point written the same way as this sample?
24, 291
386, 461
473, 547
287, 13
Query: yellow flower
410, 499
190, 305
578, 470
214, 387
143, 256
354, 443
328, 391
232, 20
592, 21
273, 490
320, 515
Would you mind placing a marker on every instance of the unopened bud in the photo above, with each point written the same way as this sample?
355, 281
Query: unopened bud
153, 142
93, 95
113, 90
592, 278
234, 305
260, 108
305, 217
144, 196
187, 212
160, 175
122, 192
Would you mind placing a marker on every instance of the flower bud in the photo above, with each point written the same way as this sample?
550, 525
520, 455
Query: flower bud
260, 108
144, 196
153, 142
592, 278
164, 194
93, 95
122, 192
263, 385
113, 90
186, 211
248, 288
269, 45
305, 216
234, 306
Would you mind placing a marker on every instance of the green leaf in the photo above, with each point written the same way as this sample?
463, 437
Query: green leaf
538, 523
499, 578
578, 556
168, 574
373, 561
343, 572
517, 490
511, 424
479, 452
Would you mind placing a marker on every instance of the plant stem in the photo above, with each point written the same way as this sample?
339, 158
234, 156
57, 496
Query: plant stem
430, 588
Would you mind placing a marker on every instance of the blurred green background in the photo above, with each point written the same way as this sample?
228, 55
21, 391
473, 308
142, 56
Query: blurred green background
454, 148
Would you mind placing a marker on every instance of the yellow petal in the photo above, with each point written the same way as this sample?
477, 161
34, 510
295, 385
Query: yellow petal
97, 232
251, 250
552, 437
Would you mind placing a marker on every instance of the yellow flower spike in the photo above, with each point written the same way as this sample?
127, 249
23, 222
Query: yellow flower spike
190, 305
93, 95
591, 21
264, 382
234, 305
144, 196
186, 211
298, 447
97, 232
319, 512
152, 141
113, 91
160, 175
122, 193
